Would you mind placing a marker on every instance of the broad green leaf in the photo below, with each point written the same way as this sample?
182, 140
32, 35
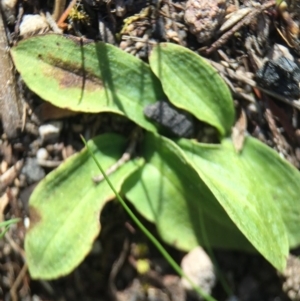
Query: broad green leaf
168, 192
249, 189
94, 77
65, 208
193, 85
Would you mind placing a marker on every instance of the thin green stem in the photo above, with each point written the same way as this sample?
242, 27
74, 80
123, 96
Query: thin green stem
9, 222
156, 243
6, 225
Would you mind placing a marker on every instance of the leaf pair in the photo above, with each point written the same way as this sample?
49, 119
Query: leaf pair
189, 190
99, 77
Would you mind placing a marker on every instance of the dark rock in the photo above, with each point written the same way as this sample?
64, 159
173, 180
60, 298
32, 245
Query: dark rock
281, 76
178, 122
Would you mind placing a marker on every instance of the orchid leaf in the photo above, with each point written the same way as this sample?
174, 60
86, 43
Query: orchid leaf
66, 205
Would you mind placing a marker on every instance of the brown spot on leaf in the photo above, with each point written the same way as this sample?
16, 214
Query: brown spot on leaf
72, 75
68, 79
71, 80
175, 243
35, 217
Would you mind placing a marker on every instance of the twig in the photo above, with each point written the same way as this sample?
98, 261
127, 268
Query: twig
16, 284
293, 103
278, 139
10, 103
15, 246
117, 265
137, 39
19, 19
52, 23
224, 38
232, 74
8, 177
125, 157
59, 6
65, 14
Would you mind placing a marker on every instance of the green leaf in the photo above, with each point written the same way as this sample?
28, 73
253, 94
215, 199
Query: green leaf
94, 77
249, 190
192, 84
65, 208
168, 192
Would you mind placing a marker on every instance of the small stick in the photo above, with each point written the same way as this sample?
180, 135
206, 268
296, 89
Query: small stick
10, 102
8, 177
18, 281
65, 13
19, 19
59, 7
224, 38
52, 23
125, 157
278, 139
116, 267
137, 39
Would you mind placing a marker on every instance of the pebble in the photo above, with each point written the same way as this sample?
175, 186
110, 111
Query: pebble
199, 268
26, 222
42, 154
50, 130
32, 171
33, 24
203, 17
177, 121
281, 76
278, 51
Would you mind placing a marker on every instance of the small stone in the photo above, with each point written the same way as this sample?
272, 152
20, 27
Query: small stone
281, 76
32, 25
26, 222
123, 45
204, 17
50, 130
42, 154
278, 51
177, 121
32, 171
199, 268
